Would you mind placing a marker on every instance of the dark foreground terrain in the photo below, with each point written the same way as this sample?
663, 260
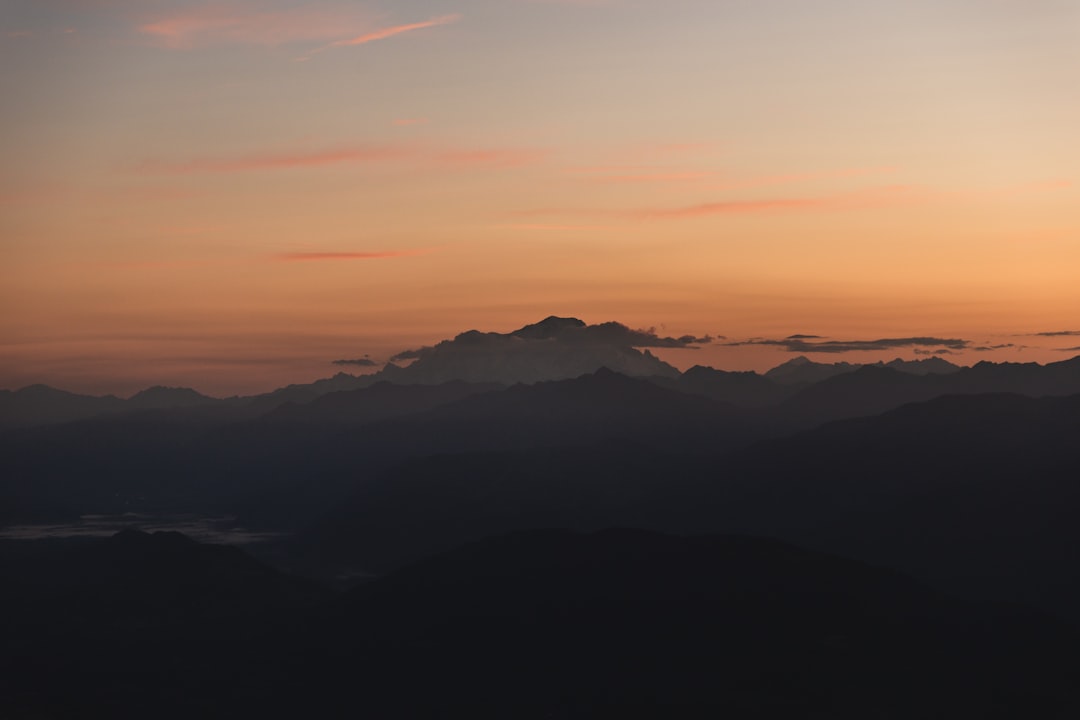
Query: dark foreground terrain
540, 624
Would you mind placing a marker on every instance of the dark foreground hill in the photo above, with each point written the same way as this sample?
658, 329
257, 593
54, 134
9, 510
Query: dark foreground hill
530, 625
977, 494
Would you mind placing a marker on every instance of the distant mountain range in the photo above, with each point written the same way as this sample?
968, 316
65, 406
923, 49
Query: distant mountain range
563, 349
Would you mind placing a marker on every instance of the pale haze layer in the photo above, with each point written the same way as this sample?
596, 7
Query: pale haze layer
230, 195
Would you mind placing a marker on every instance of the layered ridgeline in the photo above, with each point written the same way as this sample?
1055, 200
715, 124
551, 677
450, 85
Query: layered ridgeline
567, 348
962, 477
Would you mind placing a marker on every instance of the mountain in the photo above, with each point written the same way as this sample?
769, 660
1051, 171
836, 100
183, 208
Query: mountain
874, 389
600, 406
973, 493
744, 389
925, 366
380, 401
868, 390
804, 371
158, 397
552, 349
431, 504
43, 405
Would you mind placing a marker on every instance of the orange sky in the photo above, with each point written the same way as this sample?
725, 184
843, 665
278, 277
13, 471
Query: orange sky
230, 195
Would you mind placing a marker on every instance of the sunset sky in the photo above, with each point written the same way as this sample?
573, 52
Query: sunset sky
231, 195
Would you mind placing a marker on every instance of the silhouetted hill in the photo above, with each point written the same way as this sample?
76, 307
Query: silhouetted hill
804, 371
873, 389
975, 493
869, 390
745, 389
600, 406
42, 405
925, 366
627, 623
158, 397
138, 625
380, 401
432, 504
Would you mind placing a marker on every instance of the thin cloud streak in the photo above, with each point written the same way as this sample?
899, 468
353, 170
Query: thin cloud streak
655, 177
794, 344
278, 161
367, 154
235, 25
879, 197
851, 201
317, 256
543, 226
388, 32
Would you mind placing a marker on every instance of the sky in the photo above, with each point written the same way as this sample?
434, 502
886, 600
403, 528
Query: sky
231, 195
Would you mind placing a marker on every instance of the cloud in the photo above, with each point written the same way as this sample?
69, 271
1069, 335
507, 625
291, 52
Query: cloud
543, 226
796, 344
991, 348
1072, 349
654, 177
873, 197
236, 24
1058, 333
361, 362
313, 256
411, 354
387, 32
734, 207
805, 337
408, 122
333, 24
370, 154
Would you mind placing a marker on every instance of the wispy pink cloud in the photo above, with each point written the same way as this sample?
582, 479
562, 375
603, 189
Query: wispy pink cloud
234, 23
315, 256
408, 122
654, 177
364, 154
387, 32
279, 161
734, 207
549, 227
799, 177
873, 197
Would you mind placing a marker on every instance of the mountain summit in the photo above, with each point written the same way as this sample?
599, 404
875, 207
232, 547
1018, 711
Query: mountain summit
555, 348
